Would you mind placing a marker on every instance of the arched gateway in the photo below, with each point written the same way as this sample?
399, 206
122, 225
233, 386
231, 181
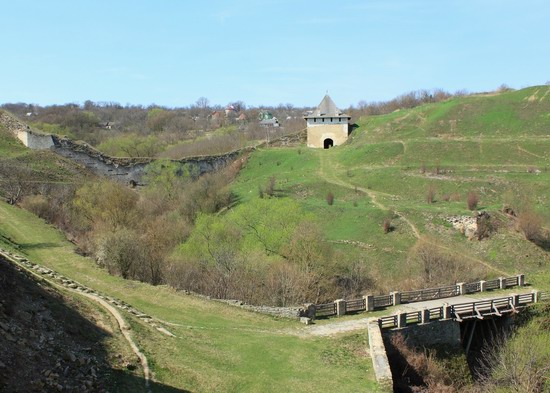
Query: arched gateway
327, 125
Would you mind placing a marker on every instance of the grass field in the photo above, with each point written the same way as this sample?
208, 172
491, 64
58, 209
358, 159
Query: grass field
217, 347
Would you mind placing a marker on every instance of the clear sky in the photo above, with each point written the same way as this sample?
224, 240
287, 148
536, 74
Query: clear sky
171, 52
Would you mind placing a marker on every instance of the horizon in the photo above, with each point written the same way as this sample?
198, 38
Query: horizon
267, 53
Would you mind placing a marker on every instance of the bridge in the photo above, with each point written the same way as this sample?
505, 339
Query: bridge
463, 311
454, 319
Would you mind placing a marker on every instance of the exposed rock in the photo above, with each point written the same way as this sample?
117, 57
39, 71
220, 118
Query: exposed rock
467, 225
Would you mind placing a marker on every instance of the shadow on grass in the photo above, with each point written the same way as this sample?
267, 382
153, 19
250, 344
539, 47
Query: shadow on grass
543, 242
44, 331
35, 246
126, 383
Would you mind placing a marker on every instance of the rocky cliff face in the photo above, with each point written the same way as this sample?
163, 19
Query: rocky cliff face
121, 169
130, 170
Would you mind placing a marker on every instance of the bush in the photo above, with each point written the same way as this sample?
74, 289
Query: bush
387, 225
330, 198
37, 204
472, 200
530, 225
430, 194
485, 225
270, 189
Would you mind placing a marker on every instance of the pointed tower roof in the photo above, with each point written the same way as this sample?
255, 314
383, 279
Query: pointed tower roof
327, 108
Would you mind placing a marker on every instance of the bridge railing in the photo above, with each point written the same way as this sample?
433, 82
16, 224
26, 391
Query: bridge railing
356, 305
463, 311
472, 287
388, 322
382, 301
429, 294
511, 281
325, 310
493, 284
378, 302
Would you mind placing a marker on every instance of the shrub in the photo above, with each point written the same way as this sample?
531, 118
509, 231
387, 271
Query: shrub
430, 194
472, 199
330, 198
387, 225
485, 225
456, 197
270, 189
530, 224
37, 204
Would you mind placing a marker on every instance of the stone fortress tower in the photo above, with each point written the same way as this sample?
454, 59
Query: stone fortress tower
327, 125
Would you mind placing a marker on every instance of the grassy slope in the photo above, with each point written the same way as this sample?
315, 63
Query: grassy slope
484, 143
218, 347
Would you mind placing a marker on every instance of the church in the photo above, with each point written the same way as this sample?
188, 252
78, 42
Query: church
327, 125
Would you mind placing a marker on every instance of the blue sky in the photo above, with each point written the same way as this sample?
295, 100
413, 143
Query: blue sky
171, 52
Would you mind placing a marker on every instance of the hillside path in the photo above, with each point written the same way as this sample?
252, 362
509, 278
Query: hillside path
330, 176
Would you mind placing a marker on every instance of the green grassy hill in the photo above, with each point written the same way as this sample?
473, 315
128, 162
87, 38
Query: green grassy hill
495, 145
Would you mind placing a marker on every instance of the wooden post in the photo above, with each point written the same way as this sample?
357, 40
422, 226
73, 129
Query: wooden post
340, 307
369, 302
502, 283
461, 288
482, 286
521, 280
396, 298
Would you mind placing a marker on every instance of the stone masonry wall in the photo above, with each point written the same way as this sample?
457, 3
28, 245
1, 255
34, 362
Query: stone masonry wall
30, 138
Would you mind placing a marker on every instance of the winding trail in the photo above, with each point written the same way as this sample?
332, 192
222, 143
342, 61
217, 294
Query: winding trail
331, 177
325, 162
